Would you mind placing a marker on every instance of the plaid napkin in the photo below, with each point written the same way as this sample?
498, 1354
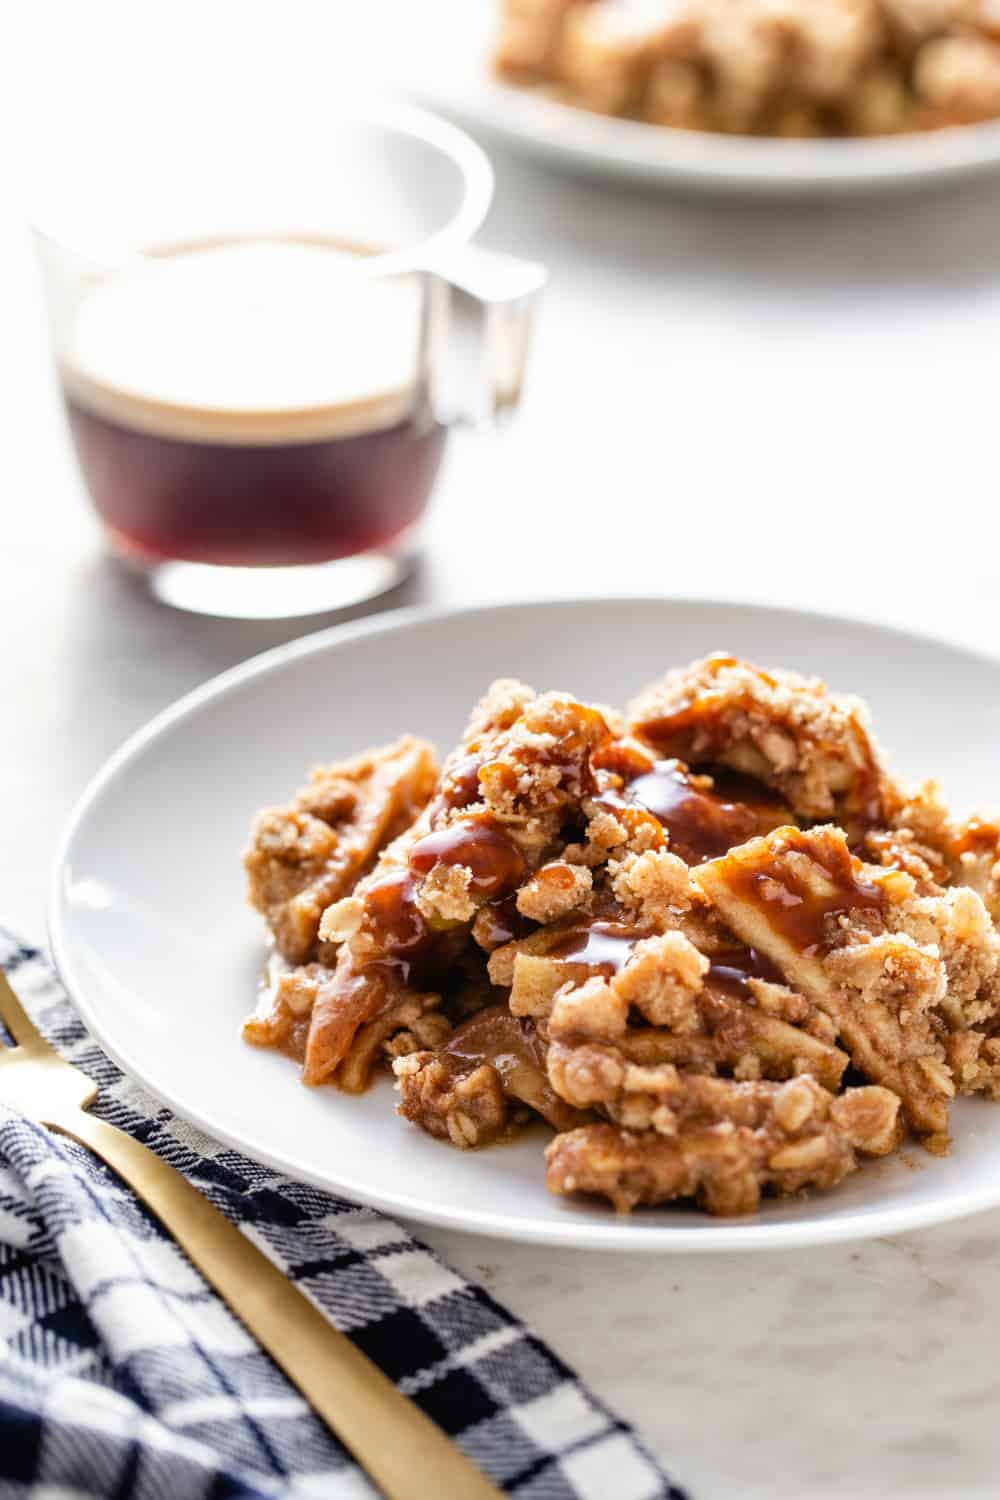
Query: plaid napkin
123, 1375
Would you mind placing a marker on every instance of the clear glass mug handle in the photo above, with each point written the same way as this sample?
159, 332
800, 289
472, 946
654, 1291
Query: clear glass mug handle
483, 307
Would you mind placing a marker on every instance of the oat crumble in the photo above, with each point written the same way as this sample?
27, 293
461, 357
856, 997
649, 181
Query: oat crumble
712, 943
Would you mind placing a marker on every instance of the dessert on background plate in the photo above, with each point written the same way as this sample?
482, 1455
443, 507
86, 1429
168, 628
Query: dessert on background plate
711, 942
793, 68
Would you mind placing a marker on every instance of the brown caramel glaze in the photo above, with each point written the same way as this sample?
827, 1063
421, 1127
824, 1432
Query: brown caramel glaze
673, 735
608, 946
496, 1037
408, 944
459, 785
624, 757
630, 813
510, 1045
392, 910
673, 732
603, 946
728, 973
591, 722
977, 837
556, 876
805, 918
478, 843
418, 951
504, 923
702, 824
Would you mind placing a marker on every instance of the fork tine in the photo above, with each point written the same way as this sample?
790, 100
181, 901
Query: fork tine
13, 1016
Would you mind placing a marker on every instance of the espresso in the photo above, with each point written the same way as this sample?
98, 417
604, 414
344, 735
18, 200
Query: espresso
252, 403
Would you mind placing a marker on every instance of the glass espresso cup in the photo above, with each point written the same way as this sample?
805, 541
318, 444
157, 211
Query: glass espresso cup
261, 353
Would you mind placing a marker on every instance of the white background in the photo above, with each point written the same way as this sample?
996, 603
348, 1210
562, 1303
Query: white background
759, 400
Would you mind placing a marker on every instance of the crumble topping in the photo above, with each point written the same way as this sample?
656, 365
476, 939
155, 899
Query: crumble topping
965, 853
306, 855
554, 891
653, 887
813, 746
667, 936
795, 68
724, 1143
844, 933
463, 1090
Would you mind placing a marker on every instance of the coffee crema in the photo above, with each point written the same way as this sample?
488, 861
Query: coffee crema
254, 402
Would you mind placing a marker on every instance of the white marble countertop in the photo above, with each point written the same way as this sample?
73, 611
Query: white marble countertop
795, 404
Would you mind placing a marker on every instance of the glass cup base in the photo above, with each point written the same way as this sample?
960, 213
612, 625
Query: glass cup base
278, 593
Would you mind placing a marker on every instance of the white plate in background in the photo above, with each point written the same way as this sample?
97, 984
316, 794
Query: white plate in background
161, 955
444, 61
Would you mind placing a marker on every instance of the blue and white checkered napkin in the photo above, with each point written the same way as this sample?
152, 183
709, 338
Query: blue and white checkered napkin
123, 1375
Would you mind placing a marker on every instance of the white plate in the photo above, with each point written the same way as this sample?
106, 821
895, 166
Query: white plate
446, 66
153, 940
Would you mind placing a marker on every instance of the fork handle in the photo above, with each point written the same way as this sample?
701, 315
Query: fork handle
400, 1448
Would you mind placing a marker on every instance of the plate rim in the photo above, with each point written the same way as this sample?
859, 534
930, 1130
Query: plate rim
584, 140
627, 148
573, 1233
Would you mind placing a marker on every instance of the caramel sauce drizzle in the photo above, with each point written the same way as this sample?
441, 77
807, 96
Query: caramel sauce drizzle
507, 1043
702, 823
668, 732
406, 941
729, 974
390, 906
977, 837
505, 922
604, 946
624, 757
803, 915
460, 783
478, 843
672, 734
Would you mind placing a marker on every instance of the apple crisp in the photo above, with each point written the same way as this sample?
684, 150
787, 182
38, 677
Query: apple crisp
711, 943
785, 68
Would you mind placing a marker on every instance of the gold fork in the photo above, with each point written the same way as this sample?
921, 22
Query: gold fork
401, 1449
